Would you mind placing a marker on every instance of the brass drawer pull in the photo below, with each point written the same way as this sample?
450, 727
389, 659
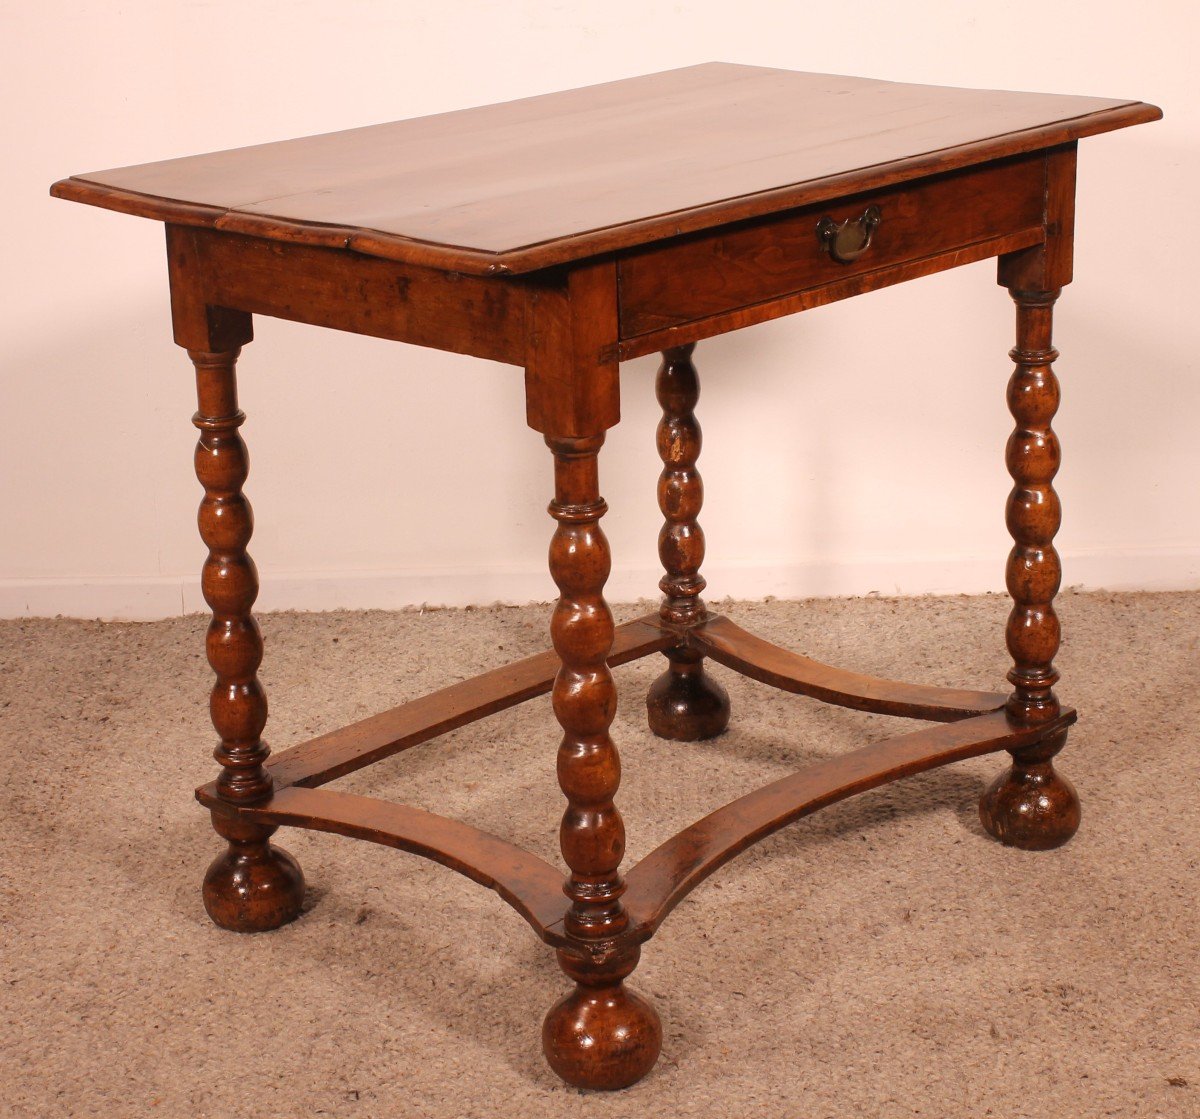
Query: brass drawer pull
848, 240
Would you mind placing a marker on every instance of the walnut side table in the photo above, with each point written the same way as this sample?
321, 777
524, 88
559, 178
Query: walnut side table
563, 234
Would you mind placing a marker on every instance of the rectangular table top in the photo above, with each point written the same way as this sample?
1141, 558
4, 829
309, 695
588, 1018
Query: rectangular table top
542, 181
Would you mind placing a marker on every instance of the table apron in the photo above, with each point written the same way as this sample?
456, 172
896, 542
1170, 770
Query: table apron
675, 292
349, 291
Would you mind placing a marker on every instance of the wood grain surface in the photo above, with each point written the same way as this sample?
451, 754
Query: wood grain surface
526, 882
360, 744
671, 871
728, 644
706, 274
544, 180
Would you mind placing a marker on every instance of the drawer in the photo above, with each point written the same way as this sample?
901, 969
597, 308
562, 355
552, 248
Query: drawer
707, 274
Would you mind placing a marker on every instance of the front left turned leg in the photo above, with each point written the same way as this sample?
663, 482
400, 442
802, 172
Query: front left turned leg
601, 1035
1032, 805
253, 886
685, 703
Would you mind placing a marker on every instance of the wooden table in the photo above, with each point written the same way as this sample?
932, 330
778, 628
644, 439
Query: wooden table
563, 234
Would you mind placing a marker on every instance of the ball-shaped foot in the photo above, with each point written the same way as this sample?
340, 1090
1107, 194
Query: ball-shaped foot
602, 1038
1032, 807
254, 886
686, 704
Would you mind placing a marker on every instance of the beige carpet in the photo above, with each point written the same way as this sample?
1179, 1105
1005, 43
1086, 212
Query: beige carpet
882, 958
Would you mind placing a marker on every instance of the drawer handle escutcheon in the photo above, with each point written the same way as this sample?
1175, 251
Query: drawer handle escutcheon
848, 240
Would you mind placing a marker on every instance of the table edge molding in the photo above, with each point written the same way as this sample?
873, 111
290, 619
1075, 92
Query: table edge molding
575, 247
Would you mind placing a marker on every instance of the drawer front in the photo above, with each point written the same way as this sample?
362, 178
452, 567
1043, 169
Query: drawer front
708, 274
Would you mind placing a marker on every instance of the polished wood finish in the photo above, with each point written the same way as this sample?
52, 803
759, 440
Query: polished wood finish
772, 257
360, 744
1031, 805
572, 386
685, 703
529, 884
600, 1035
522, 879
730, 645
859, 284
562, 235
230, 581
668, 874
380, 298
1034, 513
550, 180
253, 886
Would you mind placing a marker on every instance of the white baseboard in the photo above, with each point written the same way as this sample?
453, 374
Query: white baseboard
146, 598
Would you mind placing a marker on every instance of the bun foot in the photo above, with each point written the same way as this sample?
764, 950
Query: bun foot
685, 704
1031, 806
602, 1038
254, 886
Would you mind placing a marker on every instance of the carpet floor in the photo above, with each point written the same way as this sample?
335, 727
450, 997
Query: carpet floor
881, 958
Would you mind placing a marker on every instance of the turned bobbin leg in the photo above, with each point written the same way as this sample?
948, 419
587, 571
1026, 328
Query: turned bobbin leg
254, 885
685, 703
1031, 805
601, 1035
